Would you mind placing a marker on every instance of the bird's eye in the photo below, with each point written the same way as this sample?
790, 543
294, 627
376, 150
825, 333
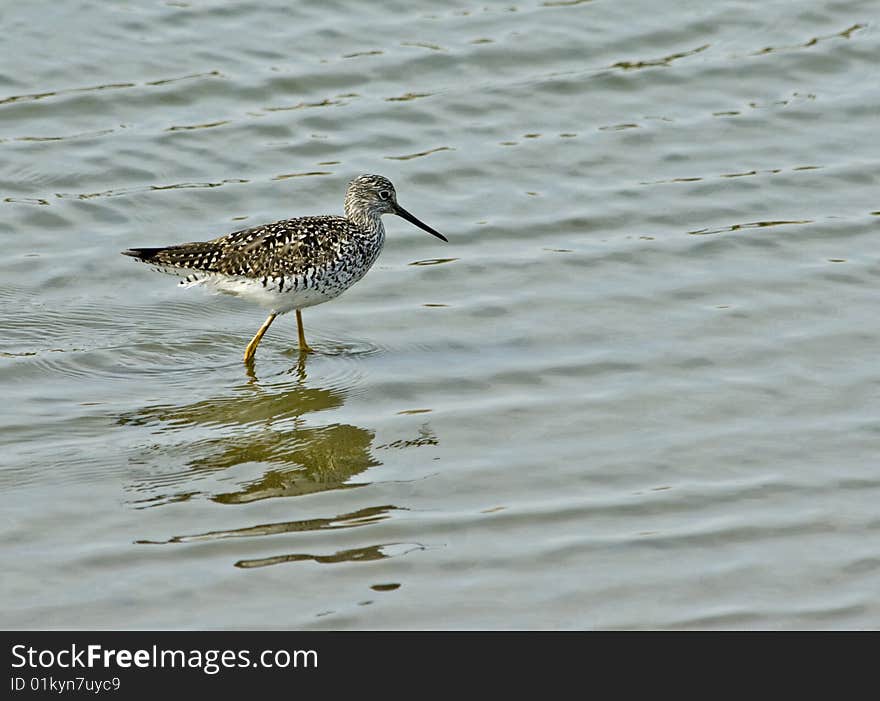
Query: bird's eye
385, 194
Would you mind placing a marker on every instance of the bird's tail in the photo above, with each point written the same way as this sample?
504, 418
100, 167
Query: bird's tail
186, 260
147, 255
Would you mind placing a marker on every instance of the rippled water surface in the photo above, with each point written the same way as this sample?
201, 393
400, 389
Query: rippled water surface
638, 387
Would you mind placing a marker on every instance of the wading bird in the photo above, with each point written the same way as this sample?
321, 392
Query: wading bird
293, 263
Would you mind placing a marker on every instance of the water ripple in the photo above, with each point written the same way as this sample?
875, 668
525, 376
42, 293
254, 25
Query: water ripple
365, 554
843, 34
410, 156
99, 88
357, 519
750, 225
664, 61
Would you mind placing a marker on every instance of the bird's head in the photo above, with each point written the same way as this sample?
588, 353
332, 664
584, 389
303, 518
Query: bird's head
370, 196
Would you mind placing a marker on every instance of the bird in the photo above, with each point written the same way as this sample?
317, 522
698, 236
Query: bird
289, 264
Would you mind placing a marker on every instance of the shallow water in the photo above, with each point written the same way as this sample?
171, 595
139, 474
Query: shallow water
638, 388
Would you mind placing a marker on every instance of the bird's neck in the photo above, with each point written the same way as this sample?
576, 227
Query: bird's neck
366, 219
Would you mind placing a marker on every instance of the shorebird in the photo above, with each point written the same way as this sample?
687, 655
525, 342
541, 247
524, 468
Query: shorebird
292, 263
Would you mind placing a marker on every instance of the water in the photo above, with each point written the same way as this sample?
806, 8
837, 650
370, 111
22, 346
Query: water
638, 388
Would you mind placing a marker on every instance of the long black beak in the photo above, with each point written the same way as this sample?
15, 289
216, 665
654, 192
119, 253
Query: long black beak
401, 212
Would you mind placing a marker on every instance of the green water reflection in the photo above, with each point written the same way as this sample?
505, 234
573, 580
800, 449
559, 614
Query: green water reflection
271, 425
255, 423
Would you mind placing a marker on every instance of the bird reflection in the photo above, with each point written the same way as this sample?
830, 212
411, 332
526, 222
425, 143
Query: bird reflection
270, 426
255, 424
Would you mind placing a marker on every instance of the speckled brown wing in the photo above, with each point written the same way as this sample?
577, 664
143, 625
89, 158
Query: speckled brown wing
286, 247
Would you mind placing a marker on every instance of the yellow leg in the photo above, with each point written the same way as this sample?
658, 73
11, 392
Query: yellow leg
303, 346
255, 341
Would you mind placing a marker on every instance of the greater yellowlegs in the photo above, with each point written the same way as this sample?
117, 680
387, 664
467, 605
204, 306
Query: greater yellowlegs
293, 263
